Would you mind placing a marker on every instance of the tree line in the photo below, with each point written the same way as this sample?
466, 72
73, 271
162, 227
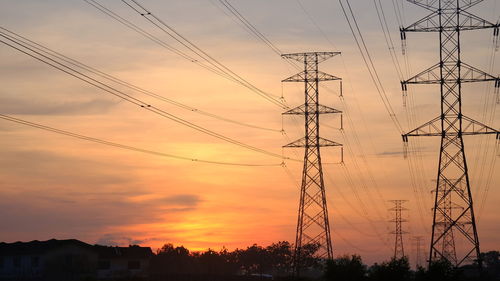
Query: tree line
275, 262
351, 268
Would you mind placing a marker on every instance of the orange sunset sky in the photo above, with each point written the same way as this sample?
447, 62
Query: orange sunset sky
54, 186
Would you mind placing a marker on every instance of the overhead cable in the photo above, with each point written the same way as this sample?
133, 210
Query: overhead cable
73, 62
365, 54
127, 147
181, 39
23, 48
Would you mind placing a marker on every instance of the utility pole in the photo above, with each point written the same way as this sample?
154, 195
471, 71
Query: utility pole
398, 232
449, 18
313, 226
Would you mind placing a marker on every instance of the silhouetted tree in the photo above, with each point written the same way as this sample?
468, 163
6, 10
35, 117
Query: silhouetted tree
420, 273
307, 256
346, 269
211, 263
171, 261
441, 270
280, 257
230, 261
491, 263
255, 259
394, 270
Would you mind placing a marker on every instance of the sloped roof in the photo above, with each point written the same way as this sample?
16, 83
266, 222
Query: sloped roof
41, 247
37, 247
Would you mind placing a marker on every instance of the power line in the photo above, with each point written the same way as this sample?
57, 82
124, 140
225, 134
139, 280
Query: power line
250, 27
414, 175
483, 149
213, 68
350, 182
174, 34
155, 39
365, 54
128, 85
314, 22
297, 184
255, 32
350, 122
127, 147
113, 91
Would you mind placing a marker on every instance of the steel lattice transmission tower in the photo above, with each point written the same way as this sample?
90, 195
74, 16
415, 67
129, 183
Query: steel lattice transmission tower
313, 226
453, 210
399, 251
418, 250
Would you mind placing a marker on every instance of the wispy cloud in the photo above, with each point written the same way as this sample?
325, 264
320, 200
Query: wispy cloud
115, 239
391, 153
39, 107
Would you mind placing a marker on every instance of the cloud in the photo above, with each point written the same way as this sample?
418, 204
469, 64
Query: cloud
51, 195
56, 169
110, 239
189, 200
391, 153
400, 152
30, 213
34, 107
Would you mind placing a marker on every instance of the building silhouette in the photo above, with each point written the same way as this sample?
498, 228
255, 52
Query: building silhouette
71, 260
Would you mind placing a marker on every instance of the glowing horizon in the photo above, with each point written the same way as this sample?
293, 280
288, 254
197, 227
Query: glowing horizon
57, 187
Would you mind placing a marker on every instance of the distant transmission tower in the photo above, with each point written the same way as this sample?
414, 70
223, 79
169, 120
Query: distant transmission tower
453, 209
399, 251
418, 250
313, 226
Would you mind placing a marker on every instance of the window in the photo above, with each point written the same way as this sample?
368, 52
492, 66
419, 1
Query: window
35, 261
103, 265
134, 264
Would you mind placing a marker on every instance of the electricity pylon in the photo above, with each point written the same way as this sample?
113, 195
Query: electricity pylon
453, 209
313, 227
399, 251
418, 250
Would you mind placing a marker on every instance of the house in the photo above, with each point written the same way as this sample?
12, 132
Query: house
71, 260
120, 262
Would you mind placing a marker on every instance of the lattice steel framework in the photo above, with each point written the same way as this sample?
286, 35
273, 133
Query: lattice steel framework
313, 226
418, 250
399, 251
453, 212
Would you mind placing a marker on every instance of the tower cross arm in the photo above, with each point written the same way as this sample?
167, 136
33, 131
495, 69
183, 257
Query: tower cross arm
301, 110
426, 4
327, 77
469, 127
468, 21
434, 4
469, 74
472, 74
311, 76
322, 56
303, 142
429, 76
429, 23
473, 127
